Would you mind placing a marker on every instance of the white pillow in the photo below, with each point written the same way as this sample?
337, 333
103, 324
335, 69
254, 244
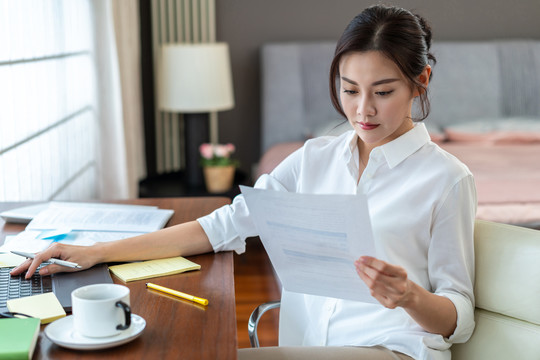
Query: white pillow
496, 130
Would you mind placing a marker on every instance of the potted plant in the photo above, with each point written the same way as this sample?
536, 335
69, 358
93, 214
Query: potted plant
218, 166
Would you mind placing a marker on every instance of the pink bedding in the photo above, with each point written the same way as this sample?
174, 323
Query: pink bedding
503, 173
507, 177
507, 180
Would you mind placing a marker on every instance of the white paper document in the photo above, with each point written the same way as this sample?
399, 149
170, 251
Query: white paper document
313, 240
105, 217
83, 224
25, 214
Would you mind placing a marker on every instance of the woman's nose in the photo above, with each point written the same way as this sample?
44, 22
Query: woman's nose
365, 106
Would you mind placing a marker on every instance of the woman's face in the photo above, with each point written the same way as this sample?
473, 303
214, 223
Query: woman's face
375, 96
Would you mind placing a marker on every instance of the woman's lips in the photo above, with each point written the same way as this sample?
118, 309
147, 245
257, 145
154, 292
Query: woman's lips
366, 126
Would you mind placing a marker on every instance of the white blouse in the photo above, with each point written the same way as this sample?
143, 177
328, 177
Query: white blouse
422, 204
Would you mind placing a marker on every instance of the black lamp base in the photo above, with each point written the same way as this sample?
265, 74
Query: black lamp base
196, 130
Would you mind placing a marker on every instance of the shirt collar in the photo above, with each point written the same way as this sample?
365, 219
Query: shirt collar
396, 150
404, 146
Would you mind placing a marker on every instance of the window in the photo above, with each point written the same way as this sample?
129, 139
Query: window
48, 117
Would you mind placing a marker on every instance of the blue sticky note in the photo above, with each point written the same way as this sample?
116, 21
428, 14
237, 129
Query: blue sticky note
55, 235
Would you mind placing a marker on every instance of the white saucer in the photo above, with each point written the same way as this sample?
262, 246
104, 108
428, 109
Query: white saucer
61, 333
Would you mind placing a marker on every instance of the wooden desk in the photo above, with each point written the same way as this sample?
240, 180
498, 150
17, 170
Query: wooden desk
175, 328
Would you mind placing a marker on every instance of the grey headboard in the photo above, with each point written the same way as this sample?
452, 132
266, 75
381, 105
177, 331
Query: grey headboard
471, 80
295, 97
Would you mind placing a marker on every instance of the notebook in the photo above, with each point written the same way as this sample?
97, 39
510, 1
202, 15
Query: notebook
62, 284
18, 338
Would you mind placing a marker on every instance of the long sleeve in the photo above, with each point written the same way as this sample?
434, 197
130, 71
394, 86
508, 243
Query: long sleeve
451, 254
229, 226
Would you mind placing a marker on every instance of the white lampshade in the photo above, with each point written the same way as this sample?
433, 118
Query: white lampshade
195, 78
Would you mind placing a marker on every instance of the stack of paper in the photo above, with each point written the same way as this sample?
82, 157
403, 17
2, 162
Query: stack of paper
85, 224
100, 217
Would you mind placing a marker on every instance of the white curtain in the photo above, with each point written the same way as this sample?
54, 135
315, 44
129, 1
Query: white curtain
119, 96
127, 28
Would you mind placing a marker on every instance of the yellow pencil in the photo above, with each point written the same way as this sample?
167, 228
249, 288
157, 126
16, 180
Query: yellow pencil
177, 293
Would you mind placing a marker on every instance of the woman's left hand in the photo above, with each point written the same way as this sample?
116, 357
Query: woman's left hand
388, 283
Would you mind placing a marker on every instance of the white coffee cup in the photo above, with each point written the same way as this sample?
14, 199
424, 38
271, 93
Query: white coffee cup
101, 310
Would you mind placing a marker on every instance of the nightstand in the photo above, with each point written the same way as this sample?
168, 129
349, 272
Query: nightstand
175, 185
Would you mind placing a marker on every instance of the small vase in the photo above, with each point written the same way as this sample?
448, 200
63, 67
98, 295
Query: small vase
218, 179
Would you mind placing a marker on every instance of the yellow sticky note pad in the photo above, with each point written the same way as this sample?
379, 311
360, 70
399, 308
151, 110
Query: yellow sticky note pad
10, 260
44, 306
153, 268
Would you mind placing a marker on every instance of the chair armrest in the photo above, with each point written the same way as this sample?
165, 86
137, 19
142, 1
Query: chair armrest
254, 320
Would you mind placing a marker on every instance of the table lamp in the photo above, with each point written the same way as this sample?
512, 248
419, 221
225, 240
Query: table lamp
196, 80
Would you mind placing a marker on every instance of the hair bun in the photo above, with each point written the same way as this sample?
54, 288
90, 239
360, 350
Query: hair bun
426, 28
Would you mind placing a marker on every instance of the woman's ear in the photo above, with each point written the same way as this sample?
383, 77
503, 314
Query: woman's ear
423, 78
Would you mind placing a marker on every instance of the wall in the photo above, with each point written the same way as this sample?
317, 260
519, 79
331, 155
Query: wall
247, 24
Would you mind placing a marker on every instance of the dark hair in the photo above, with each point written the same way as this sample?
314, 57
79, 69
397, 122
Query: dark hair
401, 36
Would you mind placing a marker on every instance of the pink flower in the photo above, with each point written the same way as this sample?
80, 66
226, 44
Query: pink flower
217, 155
222, 151
206, 151
230, 148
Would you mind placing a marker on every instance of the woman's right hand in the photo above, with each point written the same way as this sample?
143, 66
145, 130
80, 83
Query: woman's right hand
85, 256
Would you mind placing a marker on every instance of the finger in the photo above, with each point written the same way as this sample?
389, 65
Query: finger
360, 271
40, 257
68, 253
376, 264
379, 292
383, 267
36, 262
53, 268
379, 282
21, 267
374, 289
372, 273
372, 278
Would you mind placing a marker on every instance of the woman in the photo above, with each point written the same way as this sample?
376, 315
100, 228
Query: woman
422, 204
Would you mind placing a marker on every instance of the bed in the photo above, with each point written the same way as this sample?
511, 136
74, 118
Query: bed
485, 99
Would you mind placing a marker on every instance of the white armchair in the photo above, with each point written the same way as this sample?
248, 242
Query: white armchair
507, 291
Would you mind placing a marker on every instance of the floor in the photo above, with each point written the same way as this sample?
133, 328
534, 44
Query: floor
254, 285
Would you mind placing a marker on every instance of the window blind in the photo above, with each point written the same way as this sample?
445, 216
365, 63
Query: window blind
48, 123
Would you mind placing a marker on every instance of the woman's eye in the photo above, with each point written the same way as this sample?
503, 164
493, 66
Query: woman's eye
384, 93
351, 92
